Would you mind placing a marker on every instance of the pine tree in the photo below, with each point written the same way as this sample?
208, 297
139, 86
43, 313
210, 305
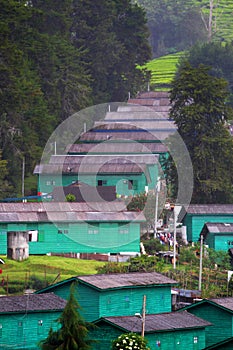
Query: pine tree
73, 333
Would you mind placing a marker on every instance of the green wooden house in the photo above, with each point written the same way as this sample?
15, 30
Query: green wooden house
26, 319
218, 236
129, 174
163, 331
196, 215
219, 312
118, 294
226, 344
72, 227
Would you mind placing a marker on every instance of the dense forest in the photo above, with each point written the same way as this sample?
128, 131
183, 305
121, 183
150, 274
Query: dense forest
58, 57
177, 25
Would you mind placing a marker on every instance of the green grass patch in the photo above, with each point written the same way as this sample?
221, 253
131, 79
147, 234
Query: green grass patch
41, 271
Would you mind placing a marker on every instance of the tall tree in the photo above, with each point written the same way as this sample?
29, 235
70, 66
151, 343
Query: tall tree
115, 41
174, 25
73, 332
200, 113
219, 57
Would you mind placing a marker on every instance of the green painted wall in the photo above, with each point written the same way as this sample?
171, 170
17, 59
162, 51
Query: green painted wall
123, 302
22, 331
111, 237
47, 182
218, 242
192, 339
116, 302
221, 320
195, 223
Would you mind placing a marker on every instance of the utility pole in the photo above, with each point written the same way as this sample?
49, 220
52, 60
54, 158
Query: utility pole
23, 174
157, 190
174, 239
200, 268
143, 315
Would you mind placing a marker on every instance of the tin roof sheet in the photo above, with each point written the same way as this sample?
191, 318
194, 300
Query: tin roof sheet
210, 209
31, 302
117, 147
109, 281
159, 322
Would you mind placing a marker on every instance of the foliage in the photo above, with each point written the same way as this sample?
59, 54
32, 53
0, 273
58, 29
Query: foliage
200, 113
173, 25
152, 245
130, 341
219, 57
58, 58
73, 331
70, 197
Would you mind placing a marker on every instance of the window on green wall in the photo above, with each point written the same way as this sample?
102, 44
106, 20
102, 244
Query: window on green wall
41, 236
132, 184
0, 330
127, 301
123, 229
20, 329
102, 183
93, 229
40, 327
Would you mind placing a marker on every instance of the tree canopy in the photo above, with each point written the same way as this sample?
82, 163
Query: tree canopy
58, 57
73, 332
200, 112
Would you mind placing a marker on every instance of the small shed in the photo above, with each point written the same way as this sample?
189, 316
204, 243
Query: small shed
196, 215
104, 295
27, 319
166, 330
219, 312
218, 236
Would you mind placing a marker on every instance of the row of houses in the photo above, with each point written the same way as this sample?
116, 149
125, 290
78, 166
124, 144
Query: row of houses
114, 302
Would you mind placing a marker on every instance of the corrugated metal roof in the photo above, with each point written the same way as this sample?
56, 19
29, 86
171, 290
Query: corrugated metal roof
109, 281
219, 227
156, 117
109, 168
225, 302
117, 147
210, 209
31, 302
57, 212
142, 135
62, 206
159, 322
103, 159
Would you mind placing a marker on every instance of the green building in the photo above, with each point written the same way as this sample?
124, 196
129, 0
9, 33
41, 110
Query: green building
56, 227
118, 294
163, 331
26, 319
198, 214
219, 312
218, 236
129, 174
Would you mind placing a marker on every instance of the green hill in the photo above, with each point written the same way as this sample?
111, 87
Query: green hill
164, 67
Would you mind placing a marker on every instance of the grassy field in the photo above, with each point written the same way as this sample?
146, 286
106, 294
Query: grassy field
39, 271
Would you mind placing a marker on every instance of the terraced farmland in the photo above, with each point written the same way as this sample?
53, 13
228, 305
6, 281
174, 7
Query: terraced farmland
163, 70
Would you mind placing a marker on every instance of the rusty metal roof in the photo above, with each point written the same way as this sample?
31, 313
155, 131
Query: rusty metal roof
31, 302
109, 281
159, 322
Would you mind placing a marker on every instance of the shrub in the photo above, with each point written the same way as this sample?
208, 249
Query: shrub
130, 341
